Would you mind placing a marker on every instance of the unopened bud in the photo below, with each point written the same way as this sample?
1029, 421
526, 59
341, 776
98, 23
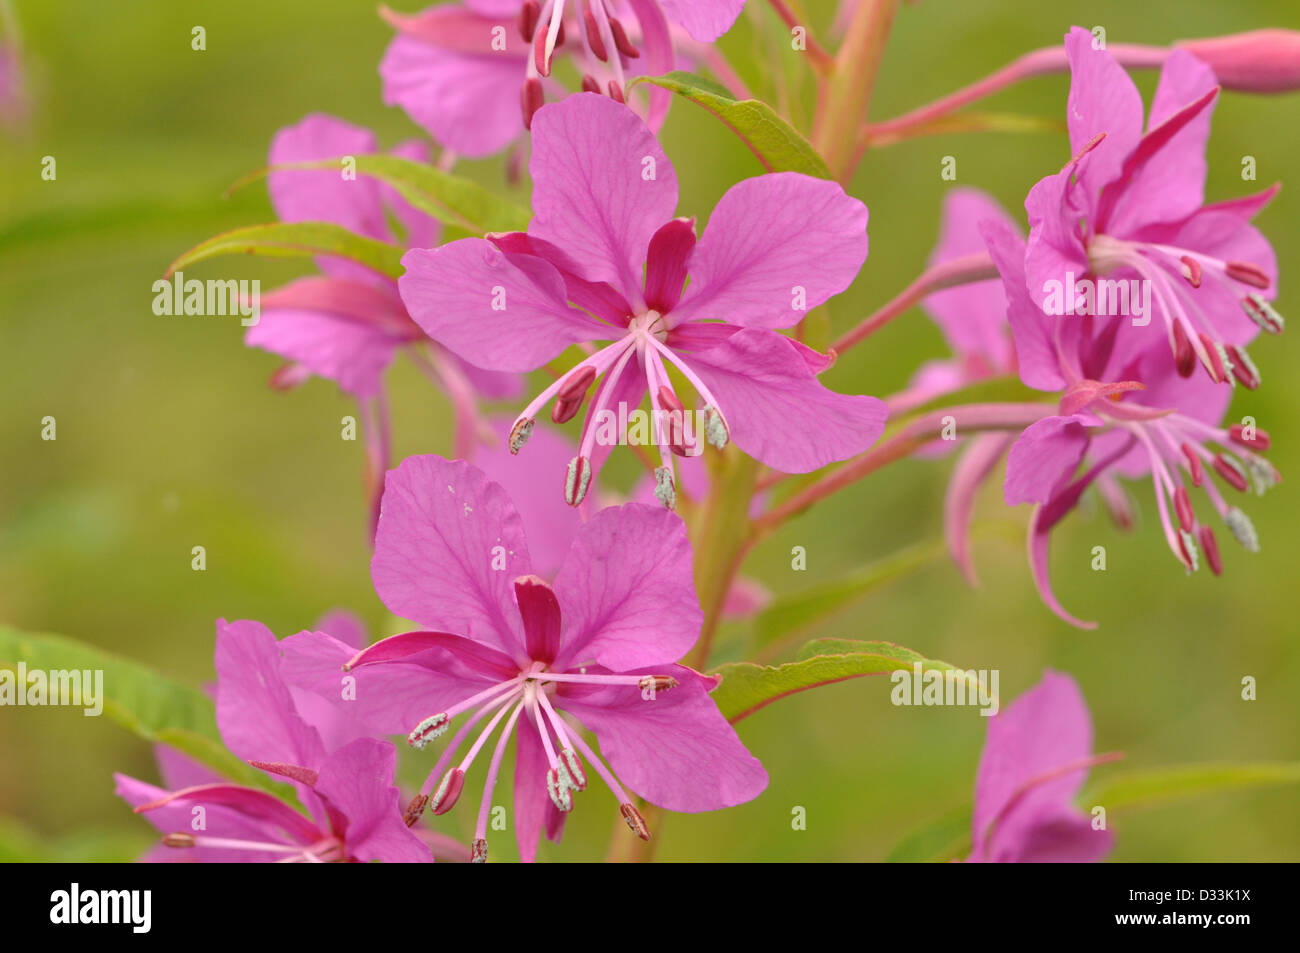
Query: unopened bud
1261, 61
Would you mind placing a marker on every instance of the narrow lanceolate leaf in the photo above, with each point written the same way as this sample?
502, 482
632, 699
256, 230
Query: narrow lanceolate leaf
1136, 790
968, 122
142, 701
451, 199
776, 144
746, 687
296, 239
948, 837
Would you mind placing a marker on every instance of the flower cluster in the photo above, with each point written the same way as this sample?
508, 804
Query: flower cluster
587, 641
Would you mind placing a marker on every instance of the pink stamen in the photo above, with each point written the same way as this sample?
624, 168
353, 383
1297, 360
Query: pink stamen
494, 768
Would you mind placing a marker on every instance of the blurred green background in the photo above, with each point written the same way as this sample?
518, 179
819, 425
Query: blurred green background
168, 436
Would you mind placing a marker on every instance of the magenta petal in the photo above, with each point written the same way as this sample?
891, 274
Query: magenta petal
972, 316
973, 468
357, 782
1103, 99
778, 410
468, 102
550, 522
324, 195
1148, 188
1036, 355
444, 528
1174, 186
345, 626
1044, 457
531, 800
540, 611
219, 821
704, 20
626, 591
1018, 790
338, 328
676, 750
255, 805
667, 264
595, 296
255, 709
776, 246
602, 186
379, 699
501, 312
181, 771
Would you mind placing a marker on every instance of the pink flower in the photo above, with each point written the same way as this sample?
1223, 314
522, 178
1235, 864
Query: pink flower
348, 790
604, 197
1124, 409
348, 324
457, 69
594, 651
1035, 760
1131, 206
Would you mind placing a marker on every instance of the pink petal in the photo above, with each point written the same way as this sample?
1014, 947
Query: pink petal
1036, 355
345, 626
1044, 457
501, 312
667, 264
973, 468
602, 186
341, 329
219, 820
357, 782
180, 771
1103, 99
277, 819
704, 20
379, 699
626, 591
325, 195
1044, 730
676, 750
973, 316
467, 102
1173, 187
255, 710
775, 247
533, 807
533, 481
778, 410
442, 528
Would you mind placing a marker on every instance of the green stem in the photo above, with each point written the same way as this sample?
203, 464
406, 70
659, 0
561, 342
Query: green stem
847, 93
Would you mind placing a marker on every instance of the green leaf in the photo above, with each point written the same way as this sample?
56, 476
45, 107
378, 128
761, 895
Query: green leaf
747, 687
142, 701
948, 837
775, 143
451, 199
296, 239
1136, 790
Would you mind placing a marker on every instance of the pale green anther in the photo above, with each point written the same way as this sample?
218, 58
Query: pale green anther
1263, 314
519, 435
440, 794
1242, 529
572, 767
1227, 363
1249, 364
576, 480
433, 727
1262, 474
715, 430
1193, 554
665, 487
558, 788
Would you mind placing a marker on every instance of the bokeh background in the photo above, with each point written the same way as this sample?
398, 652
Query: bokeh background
168, 436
